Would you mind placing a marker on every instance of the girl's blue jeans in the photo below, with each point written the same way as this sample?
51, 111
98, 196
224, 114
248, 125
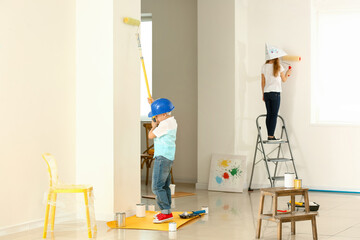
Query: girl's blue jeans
272, 102
161, 183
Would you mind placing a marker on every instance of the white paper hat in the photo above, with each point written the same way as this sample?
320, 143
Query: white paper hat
272, 52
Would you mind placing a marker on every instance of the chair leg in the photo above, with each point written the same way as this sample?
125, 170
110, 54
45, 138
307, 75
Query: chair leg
261, 208
87, 213
47, 214
147, 173
314, 229
53, 208
91, 194
279, 230
172, 177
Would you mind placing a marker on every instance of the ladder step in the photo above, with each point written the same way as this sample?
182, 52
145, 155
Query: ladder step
278, 178
279, 159
275, 141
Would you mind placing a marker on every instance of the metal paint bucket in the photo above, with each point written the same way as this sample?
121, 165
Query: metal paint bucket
172, 226
140, 210
297, 183
120, 219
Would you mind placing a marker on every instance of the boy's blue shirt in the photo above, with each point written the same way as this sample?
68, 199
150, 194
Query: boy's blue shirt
164, 143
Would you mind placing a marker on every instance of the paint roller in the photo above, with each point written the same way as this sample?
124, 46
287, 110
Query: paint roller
131, 21
135, 22
291, 58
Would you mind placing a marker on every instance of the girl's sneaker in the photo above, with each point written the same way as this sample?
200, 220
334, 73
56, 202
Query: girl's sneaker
163, 218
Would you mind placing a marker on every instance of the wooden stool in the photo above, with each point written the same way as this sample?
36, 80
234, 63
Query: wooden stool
292, 216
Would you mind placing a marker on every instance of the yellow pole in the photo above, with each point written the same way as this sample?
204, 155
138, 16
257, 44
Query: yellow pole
143, 65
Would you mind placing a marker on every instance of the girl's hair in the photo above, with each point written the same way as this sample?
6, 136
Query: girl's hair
276, 66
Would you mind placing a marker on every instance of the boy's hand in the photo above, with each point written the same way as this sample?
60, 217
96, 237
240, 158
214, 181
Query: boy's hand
154, 124
150, 100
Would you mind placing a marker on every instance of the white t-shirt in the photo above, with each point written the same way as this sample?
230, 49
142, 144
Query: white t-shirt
164, 143
272, 84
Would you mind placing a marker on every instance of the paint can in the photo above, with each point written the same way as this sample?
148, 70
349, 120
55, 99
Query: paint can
140, 210
151, 207
206, 208
172, 189
172, 226
289, 180
297, 183
172, 235
120, 219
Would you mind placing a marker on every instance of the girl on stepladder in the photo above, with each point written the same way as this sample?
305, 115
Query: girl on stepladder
272, 74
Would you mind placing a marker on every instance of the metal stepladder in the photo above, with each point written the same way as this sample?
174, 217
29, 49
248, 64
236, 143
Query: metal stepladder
277, 151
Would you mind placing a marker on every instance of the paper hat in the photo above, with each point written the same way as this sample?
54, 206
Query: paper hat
272, 52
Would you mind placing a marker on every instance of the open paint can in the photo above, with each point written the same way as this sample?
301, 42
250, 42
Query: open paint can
120, 219
289, 180
172, 226
206, 208
151, 207
297, 183
172, 189
140, 210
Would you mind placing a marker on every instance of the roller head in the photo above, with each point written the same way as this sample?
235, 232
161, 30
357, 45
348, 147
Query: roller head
291, 58
131, 21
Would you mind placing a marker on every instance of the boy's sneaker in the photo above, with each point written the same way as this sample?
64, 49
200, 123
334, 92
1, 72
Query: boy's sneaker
155, 216
163, 218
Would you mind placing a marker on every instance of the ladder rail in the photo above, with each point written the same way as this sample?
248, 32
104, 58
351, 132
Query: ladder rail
290, 151
263, 149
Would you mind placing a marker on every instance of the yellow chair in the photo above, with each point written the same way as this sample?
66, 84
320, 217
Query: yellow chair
56, 187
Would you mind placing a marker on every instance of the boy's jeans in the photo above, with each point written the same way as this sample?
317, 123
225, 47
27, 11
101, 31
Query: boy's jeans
160, 183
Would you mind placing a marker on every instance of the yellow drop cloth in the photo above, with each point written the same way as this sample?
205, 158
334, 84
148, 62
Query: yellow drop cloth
146, 222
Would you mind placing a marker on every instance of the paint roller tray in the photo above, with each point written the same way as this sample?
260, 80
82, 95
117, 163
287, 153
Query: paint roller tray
312, 205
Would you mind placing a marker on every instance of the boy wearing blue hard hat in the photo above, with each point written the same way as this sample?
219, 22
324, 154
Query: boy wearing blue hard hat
164, 134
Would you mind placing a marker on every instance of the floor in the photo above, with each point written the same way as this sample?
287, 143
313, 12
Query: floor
231, 216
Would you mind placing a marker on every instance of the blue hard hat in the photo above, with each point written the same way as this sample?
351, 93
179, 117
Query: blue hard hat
160, 106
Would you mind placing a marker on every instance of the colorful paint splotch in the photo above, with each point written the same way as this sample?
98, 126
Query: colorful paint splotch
218, 179
235, 171
226, 172
224, 163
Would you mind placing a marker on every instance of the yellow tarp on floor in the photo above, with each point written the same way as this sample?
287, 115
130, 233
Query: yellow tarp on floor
146, 222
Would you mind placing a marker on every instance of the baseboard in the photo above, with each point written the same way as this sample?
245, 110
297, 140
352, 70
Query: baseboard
39, 223
332, 189
201, 185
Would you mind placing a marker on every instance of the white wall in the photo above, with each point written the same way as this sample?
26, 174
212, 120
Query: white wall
127, 187
175, 74
216, 82
94, 100
325, 155
37, 107
108, 77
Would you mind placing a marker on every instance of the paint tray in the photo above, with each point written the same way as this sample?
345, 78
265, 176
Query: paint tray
312, 205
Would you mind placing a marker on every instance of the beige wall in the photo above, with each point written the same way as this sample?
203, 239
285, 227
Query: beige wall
37, 107
175, 74
216, 82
